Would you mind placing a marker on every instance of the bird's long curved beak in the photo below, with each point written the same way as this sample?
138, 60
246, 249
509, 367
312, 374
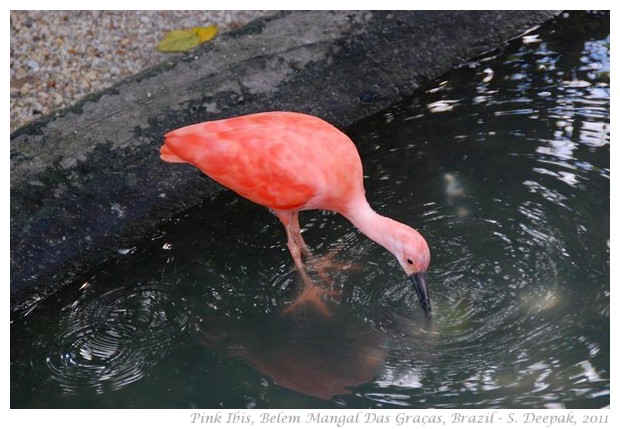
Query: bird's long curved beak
419, 284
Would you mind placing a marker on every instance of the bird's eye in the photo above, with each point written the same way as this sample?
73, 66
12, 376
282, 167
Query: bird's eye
409, 261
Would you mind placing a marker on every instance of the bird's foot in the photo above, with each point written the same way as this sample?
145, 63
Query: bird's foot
312, 295
322, 264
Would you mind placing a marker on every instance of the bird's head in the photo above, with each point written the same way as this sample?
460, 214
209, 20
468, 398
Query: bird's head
414, 256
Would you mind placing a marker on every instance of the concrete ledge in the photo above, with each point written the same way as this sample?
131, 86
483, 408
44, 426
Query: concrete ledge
89, 180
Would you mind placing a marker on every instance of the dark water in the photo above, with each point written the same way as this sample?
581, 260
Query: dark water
503, 165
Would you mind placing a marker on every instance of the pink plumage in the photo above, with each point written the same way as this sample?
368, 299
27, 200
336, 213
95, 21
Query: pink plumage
289, 162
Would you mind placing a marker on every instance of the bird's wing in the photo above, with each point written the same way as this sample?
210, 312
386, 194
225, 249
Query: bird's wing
280, 160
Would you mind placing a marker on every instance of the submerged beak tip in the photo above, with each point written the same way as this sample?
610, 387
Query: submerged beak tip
419, 284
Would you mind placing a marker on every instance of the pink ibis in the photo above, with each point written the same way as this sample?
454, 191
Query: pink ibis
288, 162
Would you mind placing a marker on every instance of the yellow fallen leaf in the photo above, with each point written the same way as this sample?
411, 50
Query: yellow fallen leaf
184, 40
178, 41
206, 33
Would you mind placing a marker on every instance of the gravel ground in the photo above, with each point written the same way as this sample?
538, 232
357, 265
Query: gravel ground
58, 57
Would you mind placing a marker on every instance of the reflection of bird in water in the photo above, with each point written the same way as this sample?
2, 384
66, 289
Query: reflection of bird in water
454, 191
290, 162
300, 350
453, 186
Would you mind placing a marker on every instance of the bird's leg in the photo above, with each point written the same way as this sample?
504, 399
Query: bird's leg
317, 264
297, 237
297, 246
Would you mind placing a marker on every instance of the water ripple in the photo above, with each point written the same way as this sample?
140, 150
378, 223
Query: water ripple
112, 340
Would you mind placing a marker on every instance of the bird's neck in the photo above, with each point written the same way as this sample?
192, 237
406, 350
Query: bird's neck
376, 227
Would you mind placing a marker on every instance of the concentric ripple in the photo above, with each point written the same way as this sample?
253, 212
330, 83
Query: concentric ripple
109, 341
